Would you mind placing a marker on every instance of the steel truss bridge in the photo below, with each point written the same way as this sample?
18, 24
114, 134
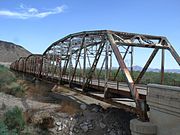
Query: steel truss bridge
85, 61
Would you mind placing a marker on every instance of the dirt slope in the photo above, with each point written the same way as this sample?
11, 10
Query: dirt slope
9, 52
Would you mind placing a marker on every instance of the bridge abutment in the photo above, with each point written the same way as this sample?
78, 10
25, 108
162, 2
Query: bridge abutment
164, 114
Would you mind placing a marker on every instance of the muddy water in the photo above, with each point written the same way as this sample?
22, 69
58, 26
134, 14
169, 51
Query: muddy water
42, 91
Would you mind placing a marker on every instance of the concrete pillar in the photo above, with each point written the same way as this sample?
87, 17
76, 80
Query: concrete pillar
164, 103
142, 128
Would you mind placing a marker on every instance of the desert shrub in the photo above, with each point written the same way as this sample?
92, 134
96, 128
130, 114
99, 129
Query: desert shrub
6, 76
14, 119
17, 90
3, 129
8, 83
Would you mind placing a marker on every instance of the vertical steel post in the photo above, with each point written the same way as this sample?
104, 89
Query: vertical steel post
99, 74
70, 64
132, 54
53, 69
60, 65
110, 68
84, 65
162, 66
106, 71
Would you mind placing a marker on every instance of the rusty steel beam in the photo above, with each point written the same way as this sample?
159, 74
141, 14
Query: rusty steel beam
67, 60
143, 45
106, 72
140, 104
125, 70
123, 59
162, 66
174, 54
84, 66
78, 57
98, 53
146, 65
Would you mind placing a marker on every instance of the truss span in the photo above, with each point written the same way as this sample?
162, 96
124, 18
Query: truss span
86, 59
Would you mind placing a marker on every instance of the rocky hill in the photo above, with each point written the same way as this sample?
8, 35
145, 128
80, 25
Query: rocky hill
9, 52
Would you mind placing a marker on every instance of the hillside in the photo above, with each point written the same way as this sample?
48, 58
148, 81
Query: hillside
10, 52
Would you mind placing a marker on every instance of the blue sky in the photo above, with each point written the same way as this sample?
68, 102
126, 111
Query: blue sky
35, 24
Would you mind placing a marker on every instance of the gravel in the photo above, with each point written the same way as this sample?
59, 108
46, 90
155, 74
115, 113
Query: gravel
90, 120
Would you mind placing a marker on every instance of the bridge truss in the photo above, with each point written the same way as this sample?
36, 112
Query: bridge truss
86, 60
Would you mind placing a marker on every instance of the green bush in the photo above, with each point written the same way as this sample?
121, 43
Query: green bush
6, 76
3, 129
8, 83
14, 119
17, 90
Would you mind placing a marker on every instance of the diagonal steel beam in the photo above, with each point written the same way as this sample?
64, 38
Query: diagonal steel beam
78, 57
67, 60
125, 70
96, 59
174, 54
123, 59
146, 65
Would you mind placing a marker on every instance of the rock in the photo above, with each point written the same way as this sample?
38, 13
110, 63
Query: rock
120, 132
102, 125
37, 118
58, 123
83, 106
112, 133
70, 133
90, 126
84, 126
3, 107
123, 133
59, 128
108, 130
94, 108
47, 122
75, 130
71, 118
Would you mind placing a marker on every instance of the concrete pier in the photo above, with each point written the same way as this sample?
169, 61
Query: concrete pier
142, 128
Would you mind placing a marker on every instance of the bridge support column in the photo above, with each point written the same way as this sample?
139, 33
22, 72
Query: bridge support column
142, 128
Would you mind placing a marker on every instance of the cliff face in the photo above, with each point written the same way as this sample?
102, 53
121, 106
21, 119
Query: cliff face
9, 52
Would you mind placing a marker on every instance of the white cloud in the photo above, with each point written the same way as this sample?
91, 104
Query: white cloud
32, 10
26, 13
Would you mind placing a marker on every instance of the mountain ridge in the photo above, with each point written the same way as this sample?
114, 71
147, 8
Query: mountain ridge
139, 68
